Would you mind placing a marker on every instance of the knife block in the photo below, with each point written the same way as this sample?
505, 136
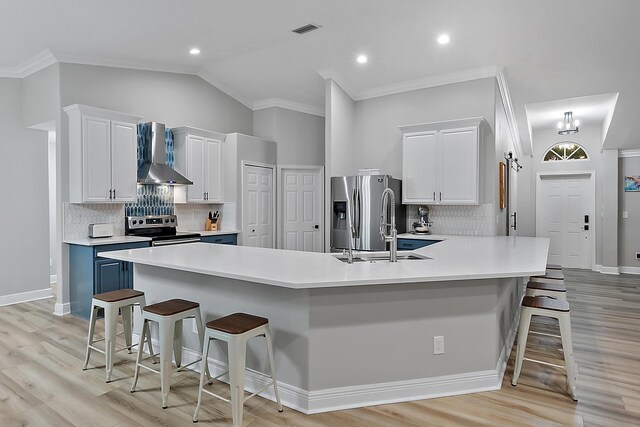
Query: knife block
212, 225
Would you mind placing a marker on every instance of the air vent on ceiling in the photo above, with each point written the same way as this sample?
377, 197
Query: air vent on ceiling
306, 28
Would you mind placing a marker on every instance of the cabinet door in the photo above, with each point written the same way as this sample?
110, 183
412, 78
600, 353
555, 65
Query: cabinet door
124, 160
419, 168
96, 159
109, 275
213, 171
458, 167
196, 169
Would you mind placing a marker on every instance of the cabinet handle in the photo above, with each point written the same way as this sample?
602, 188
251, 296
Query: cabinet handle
434, 196
114, 193
110, 192
441, 196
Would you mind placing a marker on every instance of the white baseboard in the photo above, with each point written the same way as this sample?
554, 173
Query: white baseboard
53, 278
62, 309
318, 401
629, 270
606, 270
25, 296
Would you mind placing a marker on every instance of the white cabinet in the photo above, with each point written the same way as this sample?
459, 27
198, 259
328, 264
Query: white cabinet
441, 162
102, 155
198, 156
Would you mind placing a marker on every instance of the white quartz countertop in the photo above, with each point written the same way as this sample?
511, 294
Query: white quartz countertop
424, 236
456, 258
86, 241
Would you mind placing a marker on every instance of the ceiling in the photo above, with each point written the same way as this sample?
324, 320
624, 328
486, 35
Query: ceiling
548, 50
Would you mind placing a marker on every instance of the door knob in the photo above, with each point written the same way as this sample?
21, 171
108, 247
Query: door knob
316, 226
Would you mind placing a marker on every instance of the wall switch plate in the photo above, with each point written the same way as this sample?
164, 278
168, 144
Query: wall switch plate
637, 255
625, 214
438, 345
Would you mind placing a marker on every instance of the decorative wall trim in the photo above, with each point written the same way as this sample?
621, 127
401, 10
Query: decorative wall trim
606, 270
132, 65
330, 73
629, 270
505, 95
629, 153
32, 65
62, 309
288, 105
25, 296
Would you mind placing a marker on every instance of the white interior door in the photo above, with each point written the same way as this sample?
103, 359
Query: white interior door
564, 216
302, 226
257, 206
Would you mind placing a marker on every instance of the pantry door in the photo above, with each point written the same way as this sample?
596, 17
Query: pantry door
258, 226
564, 214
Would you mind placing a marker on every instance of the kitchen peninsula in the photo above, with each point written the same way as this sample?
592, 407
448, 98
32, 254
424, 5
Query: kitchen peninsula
351, 335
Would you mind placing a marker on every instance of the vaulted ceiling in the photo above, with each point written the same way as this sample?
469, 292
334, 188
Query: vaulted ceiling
549, 50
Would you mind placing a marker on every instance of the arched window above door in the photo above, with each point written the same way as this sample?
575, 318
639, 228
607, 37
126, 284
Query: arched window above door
565, 151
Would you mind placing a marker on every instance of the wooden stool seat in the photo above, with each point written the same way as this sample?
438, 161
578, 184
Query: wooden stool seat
544, 303
546, 286
171, 307
554, 267
119, 295
237, 323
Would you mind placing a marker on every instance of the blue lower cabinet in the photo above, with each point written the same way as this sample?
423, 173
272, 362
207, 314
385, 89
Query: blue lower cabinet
222, 239
413, 244
90, 274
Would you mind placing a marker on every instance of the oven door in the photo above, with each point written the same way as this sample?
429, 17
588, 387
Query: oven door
168, 242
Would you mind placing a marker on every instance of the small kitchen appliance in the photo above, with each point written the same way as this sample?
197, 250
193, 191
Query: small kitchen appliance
162, 230
100, 230
423, 226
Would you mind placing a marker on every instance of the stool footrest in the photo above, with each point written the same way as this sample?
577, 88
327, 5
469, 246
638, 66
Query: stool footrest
148, 368
259, 391
545, 334
210, 393
544, 363
189, 364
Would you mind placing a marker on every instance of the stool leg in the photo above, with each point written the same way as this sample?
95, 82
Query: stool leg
205, 355
177, 343
523, 332
273, 367
201, 338
567, 348
110, 326
237, 362
144, 332
92, 328
167, 330
126, 322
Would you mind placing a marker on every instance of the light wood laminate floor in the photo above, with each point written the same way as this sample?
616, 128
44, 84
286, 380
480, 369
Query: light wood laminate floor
42, 382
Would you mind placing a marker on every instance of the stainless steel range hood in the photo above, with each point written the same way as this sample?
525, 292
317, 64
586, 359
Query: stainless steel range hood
154, 170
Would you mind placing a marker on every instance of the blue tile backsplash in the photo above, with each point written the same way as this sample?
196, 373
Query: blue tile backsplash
152, 199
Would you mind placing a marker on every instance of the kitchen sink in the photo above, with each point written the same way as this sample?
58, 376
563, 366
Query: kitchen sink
377, 257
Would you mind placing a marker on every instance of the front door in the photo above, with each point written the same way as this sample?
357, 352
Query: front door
257, 206
302, 225
564, 216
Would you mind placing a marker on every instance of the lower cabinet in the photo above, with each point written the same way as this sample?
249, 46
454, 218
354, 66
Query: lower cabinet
222, 239
413, 244
90, 274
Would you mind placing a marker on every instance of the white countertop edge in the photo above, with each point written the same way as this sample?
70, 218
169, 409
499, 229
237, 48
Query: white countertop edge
214, 233
87, 241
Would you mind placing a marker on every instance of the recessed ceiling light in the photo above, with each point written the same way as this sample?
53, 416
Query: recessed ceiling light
444, 39
195, 51
362, 59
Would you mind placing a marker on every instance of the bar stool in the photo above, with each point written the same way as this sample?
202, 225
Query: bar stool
121, 300
551, 276
552, 290
554, 308
169, 316
554, 267
236, 329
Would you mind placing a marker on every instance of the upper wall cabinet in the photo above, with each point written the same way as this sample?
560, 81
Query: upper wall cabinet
198, 156
102, 155
441, 162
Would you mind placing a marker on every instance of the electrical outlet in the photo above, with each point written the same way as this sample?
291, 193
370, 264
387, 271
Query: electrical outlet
637, 255
438, 345
625, 214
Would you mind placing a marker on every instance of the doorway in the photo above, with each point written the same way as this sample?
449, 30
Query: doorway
565, 214
300, 204
258, 225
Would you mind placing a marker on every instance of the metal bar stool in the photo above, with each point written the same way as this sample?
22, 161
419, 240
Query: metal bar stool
121, 300
236, 329
557, 309
536, 288
169, 316
554, 267
551, 276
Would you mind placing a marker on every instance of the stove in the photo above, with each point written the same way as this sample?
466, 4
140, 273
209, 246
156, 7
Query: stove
162, 230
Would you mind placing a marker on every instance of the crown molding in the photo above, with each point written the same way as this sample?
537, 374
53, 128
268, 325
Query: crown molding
210, 78
505, 95
629, 153
132, 65
330, 73
288, 105
32, 65
428, 82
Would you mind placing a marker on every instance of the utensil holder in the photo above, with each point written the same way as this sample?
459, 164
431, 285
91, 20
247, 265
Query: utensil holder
212, 225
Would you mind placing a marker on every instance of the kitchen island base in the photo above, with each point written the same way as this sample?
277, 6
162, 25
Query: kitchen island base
353, 346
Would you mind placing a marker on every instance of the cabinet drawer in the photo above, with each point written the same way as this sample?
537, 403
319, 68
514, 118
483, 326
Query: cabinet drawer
412, 244
120, 247
224, 239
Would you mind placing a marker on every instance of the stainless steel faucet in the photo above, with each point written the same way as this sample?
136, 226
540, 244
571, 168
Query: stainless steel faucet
392, 237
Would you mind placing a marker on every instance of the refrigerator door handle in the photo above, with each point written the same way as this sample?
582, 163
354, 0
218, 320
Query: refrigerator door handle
356, 212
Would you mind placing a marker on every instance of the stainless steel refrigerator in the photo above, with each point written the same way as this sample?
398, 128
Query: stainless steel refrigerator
360, 197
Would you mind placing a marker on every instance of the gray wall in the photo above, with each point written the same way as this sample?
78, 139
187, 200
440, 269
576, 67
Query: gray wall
629, 230
300, 136
24, 262
41, 96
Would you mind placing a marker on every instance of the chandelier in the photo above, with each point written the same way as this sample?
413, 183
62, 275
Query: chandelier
568, 125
